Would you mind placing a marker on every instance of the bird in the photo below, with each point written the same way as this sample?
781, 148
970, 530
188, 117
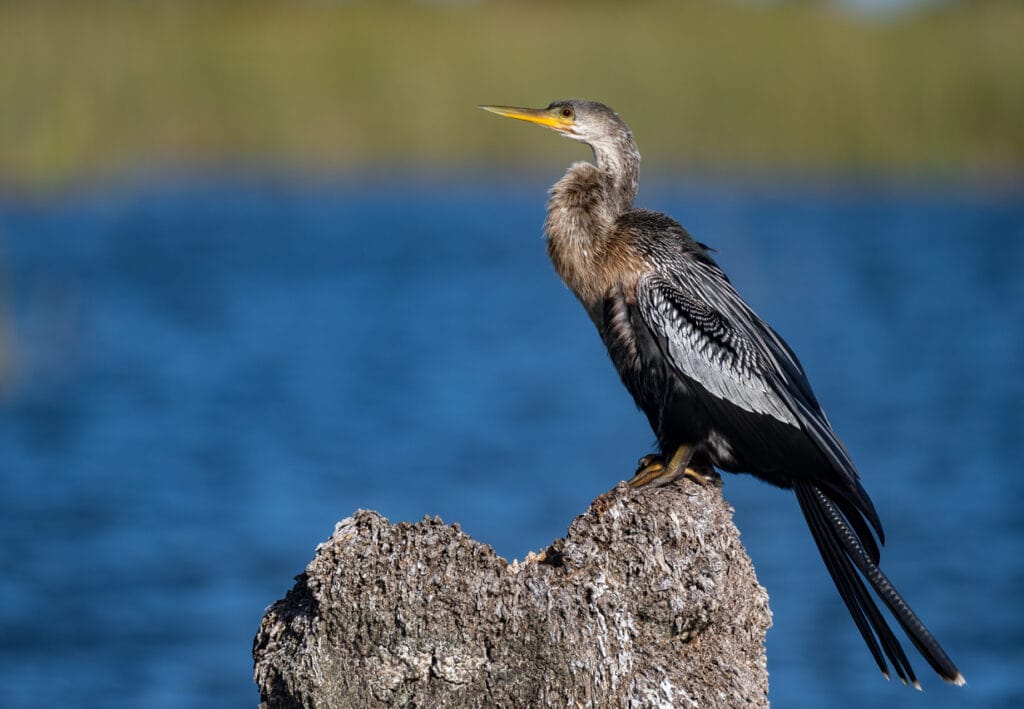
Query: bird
721, 389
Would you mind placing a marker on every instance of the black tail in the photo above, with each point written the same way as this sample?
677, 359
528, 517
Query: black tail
843, 550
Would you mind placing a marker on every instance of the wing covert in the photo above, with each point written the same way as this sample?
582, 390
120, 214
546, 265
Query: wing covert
705, 347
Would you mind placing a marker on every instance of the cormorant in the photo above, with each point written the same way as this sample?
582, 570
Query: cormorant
720, 387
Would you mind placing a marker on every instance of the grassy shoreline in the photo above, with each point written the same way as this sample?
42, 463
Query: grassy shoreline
105, 89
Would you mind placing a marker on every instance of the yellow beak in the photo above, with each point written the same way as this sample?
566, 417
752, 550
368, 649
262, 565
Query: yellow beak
540, 116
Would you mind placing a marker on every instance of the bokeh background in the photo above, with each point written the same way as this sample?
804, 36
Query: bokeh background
264, 263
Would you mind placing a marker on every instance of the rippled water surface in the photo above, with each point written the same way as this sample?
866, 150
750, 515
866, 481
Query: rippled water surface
201, 378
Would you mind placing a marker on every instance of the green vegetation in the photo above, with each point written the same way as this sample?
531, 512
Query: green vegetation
108, 87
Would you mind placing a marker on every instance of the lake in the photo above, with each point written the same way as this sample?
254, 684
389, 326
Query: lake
202, 375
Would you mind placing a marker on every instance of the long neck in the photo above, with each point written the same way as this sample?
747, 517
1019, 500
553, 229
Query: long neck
618, 158
583, 207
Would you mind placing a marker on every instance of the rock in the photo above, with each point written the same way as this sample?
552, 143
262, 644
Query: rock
649, 601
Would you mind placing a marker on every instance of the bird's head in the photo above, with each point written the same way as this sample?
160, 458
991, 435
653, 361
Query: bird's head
586, 121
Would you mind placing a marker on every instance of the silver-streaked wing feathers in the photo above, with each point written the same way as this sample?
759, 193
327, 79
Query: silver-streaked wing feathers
712, 337
704, 346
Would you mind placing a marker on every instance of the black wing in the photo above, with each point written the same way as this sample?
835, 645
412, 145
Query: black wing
713, 338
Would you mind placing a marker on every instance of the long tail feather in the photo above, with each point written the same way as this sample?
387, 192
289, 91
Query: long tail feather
843, 549
866, 615
840, 576
860, 528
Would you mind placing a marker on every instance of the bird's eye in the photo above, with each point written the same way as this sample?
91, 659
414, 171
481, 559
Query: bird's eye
566, 112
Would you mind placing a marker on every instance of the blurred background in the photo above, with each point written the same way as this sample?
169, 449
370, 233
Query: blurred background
262, 264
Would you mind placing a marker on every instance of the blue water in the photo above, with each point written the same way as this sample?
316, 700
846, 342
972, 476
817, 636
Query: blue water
202, 377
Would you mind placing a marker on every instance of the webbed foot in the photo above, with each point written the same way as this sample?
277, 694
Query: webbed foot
655, 470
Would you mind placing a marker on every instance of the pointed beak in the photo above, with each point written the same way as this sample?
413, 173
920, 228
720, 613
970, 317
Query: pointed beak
540, 116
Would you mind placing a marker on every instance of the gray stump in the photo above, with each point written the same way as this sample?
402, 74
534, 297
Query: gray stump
649, 601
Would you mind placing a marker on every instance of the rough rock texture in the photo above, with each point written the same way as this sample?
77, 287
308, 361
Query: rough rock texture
649, 601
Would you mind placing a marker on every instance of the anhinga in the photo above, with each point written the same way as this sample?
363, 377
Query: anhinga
720, 387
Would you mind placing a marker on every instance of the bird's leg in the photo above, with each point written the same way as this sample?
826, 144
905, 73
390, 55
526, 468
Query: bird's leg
654, 470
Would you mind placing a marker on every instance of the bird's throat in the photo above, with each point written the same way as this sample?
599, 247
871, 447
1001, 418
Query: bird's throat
582, 210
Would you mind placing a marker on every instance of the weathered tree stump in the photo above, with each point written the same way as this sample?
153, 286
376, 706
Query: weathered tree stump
649, 601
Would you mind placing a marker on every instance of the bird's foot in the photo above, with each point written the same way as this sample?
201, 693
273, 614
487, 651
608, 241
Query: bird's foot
648, 469
655, 470
702, 474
